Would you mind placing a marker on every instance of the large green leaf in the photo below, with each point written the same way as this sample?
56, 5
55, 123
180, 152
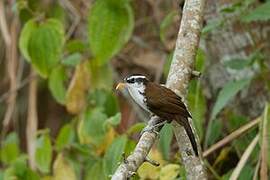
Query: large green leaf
43, 154
165, 140
96, 172
110, 27
101, 76
22, 169
91, 129
261, 13
10, 149
65, 137
57, 80
25, 35
105, 99
197, 106
246, 173
113, 154
45, 46
228, 91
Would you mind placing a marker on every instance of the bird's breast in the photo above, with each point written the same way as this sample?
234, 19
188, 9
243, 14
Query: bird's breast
139, 97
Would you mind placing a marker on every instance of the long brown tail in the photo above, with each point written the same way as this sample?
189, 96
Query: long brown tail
184, 122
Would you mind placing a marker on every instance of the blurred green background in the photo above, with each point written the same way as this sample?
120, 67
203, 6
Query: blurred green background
60, 117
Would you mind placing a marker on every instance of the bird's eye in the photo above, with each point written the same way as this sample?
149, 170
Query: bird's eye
131, 80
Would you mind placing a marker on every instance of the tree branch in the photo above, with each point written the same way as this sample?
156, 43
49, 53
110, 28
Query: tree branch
179, 75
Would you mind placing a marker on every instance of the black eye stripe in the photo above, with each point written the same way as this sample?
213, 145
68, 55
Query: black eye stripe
130, 80
138, 80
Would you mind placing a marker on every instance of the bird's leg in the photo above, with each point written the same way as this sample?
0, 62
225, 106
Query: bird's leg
151, 128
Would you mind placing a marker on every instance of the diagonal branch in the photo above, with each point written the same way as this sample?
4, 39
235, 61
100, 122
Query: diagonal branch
181, 68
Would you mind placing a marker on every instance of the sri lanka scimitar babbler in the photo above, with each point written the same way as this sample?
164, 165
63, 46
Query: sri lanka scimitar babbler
160, 101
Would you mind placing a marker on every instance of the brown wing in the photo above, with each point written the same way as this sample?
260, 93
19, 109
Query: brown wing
164, 102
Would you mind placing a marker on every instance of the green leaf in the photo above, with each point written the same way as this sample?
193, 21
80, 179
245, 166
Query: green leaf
91, 129
166, 135
197, 105
260, 13
9, 174
43, 154
28, 29
136, 128
75, 46
110, 27
96, 172
105, 99
72, 59
165, 23
228, 91
200, 61
211, 26
1, 175
114, 120
113, 154
264, 132
57, 87
246, 173
101, 76
237, 64
241, 143
65, 137
45, 46
167, 64
213, 132
10, 149
56, 11
22, 169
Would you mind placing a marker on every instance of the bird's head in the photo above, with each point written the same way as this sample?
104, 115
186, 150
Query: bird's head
133, 82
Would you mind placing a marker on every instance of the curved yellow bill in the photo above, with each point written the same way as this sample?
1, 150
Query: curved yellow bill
120, 86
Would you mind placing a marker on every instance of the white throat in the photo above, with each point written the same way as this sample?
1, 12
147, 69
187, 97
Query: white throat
137, 94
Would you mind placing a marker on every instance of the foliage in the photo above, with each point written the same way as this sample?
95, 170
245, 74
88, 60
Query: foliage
92, 131
260, 13
109, 22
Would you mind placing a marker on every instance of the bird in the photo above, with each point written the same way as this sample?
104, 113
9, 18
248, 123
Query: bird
160, 101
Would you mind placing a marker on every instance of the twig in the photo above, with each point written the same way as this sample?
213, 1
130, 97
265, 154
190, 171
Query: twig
235, 134
151, 161
11, 58
32, 120
180, 72
3, 25
133, 161
244, 158
23, 83
75, 15
195, 74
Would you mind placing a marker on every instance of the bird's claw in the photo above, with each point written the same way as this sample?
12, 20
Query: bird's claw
152, 128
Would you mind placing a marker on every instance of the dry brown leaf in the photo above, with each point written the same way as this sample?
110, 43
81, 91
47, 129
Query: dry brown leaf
76, 94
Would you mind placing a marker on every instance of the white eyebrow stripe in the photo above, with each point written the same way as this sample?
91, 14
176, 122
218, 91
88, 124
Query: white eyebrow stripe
135, 77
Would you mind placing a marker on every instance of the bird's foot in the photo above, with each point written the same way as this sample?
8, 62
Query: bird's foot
152, 128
